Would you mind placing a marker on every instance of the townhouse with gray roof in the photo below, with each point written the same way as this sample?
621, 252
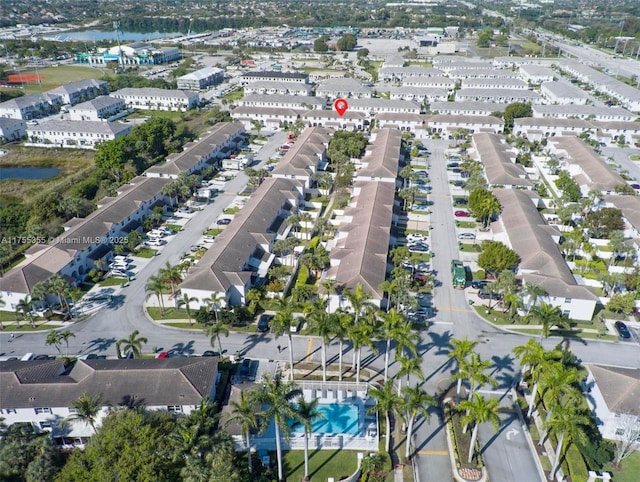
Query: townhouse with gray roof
346, 87
630, 208
432, 83
305, 157
80, 91
499, 162
304, 102
522, 228
330, 118
244, 251
404, 122
446, 125
587, 112
269, 87
482, 73
275, 76
563, 92
33, 106
419, 94
505, 96
200, 79
536, 74
371, 107
42, 392
149, 98
466, 108
270, 118
12, 129
74, 134
399, 74
482, 83
103, 108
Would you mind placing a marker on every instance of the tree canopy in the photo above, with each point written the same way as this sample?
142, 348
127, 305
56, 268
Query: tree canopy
496, 257
515, 111
347, 42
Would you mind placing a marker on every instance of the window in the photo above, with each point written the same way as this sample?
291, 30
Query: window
72, 410
44, 425
619, 432
42, 410
175, 408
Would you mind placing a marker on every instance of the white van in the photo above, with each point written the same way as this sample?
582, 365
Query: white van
28, 356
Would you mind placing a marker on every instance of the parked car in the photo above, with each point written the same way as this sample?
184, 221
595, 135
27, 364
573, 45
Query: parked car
461, 214
164, 354
185, 210
263, 323
460, 200
210, 353
459, 184
466, 236
223, 221
486, 295
622, 330
478, 284
635, 186
451, 165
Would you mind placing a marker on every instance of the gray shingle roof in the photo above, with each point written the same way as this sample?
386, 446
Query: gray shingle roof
303, 157
497, 160
620, 388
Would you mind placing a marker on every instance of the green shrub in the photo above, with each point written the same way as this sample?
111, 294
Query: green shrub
575, 462
303, 276
313, 244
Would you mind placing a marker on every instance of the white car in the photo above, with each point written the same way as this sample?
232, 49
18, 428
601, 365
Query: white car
154, 242
118, 273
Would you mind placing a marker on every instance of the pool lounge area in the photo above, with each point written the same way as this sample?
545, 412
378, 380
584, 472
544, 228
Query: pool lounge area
346, 425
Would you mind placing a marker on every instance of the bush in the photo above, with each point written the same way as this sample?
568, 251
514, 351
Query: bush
303, 276
575, 463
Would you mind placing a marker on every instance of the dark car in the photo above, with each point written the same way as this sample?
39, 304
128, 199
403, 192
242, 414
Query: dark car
246, 369
460, 200
452, 164
92, 356
635, 186
459, 184
44, 357
210, 353
223, 221
622, 330
487, 295
263, 323
478, 284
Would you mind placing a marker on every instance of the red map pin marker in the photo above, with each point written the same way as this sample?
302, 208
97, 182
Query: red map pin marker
341, 106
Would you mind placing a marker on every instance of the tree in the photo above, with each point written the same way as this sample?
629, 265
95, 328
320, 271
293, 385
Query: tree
214, 331
533, 359
281, 324
24, 307
462, 349
569, 187
387, 402
416, 402
564, 422
479, 410
155, 285
243, 412
58, 285
484, 37
475, 369
516, 111
497, 257
360, 335
533, 292
87, 408
603, 222
278, 396
171, 274
622, 303
186, 301
483, 205
320, 44
54, 339
322, 323
548, 316
357, 299
26, 455
409, 365
390, 321
626, 441
132, 343
307, 413
64, 336
362, 53
347, 42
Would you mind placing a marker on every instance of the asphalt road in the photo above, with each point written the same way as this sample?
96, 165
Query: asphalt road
454, 319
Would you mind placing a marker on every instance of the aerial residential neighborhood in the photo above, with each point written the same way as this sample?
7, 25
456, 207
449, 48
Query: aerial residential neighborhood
334, 241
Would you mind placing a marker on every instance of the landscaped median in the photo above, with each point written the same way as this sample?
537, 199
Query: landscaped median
459, 444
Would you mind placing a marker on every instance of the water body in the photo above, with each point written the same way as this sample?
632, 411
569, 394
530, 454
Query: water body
96, 35
30, 173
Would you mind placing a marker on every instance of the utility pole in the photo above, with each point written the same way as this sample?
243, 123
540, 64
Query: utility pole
116, 27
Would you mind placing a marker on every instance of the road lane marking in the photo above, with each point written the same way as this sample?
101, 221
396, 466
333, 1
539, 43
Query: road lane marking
309, 350
433, 452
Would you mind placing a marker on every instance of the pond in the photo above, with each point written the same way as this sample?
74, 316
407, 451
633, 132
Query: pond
27, 172
96, 35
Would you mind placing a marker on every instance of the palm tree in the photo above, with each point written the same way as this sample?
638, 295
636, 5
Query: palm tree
243, 412
408, 366
534, 358
548, 316
155, 285
133, 343
534, 292
387, 401
341, 332
558, 381
390, 287
278, 396
24, 307
390, 320
357, 299
475, 369
322, 323
214, 331
461, 350
186, 301
416, 402
53, 338
87, 408
307, 413
60, 287
171, 274
360, 335
566, 421
214, 302
479, 410
281, 324
64, 336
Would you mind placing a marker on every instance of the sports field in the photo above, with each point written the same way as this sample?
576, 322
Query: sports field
52, 77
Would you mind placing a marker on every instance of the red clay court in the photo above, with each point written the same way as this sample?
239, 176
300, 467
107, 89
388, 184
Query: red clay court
24, 78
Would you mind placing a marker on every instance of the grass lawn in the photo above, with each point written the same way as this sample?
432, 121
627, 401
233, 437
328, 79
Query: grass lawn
466, 224
635, 157
469, 247
170, 313
628, 471
53, 77
112, 281
213, 231
175, 227
185, 325
145, 253
322, 464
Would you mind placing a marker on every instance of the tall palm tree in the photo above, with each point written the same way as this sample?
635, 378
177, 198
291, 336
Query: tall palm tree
307, 413
548, 316
479, 410
360, 335
53, 338
533, 359
60, 287
87, 408
387, 401
409, 365
133, 342
24, 307
281, 324
64, 336
390, 320
416, 402
567, 421
155, 285
243, 412
357, 299
278, 397
558, 381
390, 287
534, 292
476, 372
461, 350
214, 331
214, 302
171, 274
186, 301
322, 323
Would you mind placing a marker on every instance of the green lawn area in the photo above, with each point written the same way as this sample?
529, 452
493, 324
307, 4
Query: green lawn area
170, 313
53, 77
145, 253
175, 227
466, 224
114, 281
469, 247
635, 157
322, 464
233, 96
628, 471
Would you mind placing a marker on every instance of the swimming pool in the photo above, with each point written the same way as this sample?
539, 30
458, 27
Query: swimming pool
338, 418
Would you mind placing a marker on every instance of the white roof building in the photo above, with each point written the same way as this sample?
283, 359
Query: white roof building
148, 98
200, 79
420, 94
507, 96
466, 108
271, 87
74, 134
587, 112
305, 102
563, 92
536, 74
346, 87
102, 108
12, 129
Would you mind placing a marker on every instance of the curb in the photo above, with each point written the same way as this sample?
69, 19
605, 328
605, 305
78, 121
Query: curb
454, 468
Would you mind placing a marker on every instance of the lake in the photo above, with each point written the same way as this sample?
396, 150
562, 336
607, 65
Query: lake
95, 35
28, 173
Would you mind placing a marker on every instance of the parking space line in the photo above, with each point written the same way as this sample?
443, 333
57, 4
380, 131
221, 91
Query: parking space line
433, 452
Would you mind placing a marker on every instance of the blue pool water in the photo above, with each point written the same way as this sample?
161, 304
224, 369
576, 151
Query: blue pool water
338, 418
